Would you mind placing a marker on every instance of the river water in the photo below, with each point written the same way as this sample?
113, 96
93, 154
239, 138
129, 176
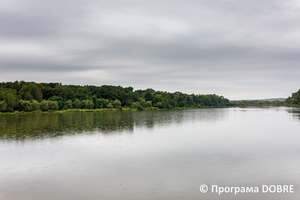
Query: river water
151, 155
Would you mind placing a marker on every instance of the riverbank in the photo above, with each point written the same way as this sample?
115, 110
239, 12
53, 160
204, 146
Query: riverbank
124, 109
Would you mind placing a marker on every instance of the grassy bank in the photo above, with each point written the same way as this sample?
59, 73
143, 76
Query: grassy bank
124, 109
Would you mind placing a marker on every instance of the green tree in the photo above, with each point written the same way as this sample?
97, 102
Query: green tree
35, 105
159, 105
59, 100
142, 102
26, 105
134, 105
38, 94
53, 105
117, 103
140, 108
28, 96
44, 105
69, 104
88, 104
77, 104
148, 104
3, 106
165, 103
105, 103
110, 106
12, 99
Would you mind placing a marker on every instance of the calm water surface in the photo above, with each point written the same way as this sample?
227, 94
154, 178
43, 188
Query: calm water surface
149, 155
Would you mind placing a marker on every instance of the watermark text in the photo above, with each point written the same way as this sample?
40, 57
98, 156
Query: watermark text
278, 189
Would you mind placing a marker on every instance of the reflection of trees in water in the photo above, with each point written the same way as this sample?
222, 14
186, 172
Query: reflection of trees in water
295, 112
19, 127
52, 125
151, 119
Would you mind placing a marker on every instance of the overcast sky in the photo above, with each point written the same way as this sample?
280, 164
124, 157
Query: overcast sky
240, 49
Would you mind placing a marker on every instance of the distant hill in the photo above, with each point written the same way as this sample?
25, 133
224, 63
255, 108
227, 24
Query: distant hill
271, 99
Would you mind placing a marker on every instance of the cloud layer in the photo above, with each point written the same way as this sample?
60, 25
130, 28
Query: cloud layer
235, 48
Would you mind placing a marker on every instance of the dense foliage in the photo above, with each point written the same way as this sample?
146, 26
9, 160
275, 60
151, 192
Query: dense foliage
294, 99
30, 96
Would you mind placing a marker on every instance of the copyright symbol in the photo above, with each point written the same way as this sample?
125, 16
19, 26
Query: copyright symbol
203, 188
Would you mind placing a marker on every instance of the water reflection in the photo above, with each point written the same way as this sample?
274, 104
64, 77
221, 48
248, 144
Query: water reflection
39, 126
19, 127
295, 112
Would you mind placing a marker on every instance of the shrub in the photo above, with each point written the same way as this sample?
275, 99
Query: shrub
140, 108
159, 105
77, 103
135, 105
149, 104
69, 104
88, 104
3, 106
53, 105
26, 105
142, 102
35, 105
44, 105
117, 103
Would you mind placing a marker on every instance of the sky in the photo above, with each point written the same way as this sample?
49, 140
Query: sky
239, 49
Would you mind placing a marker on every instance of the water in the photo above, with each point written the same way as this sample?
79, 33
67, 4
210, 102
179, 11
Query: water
149, 155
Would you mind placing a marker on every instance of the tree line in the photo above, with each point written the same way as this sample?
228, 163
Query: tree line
256, 103
30, 96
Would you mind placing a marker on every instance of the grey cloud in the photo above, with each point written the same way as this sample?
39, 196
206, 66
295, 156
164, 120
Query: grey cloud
239, 48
